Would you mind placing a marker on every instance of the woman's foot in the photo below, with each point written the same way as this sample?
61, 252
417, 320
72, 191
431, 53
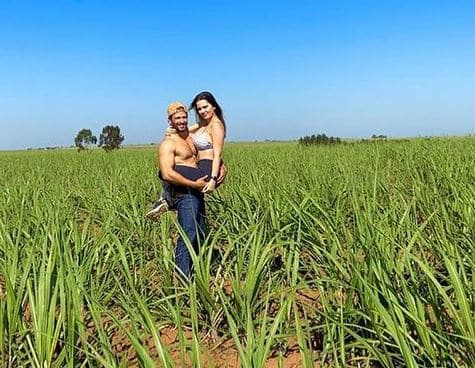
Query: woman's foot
159, 207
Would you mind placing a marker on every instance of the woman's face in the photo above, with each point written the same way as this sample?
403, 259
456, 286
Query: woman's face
205, 109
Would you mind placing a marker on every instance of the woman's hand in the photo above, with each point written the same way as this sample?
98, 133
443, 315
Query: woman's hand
223, 171
170, 131
209, 187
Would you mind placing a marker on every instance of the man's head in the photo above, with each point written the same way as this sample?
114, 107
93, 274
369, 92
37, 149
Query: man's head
178, 116
175, 107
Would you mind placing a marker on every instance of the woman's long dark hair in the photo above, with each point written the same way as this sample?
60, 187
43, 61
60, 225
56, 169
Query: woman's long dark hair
212, 101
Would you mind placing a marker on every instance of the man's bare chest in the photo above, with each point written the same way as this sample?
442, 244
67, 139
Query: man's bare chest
185, 148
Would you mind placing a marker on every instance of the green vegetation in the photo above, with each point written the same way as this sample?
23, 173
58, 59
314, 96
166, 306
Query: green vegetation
84, 138
355, 255
111, 138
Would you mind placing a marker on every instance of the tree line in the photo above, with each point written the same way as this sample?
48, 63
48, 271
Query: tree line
313, 139
110, 138
309, 140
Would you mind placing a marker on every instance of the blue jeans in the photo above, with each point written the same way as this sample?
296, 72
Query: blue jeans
191, 217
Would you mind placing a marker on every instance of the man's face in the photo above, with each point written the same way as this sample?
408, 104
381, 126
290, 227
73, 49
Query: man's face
179, 121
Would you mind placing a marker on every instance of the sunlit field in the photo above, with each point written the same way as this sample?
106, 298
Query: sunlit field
355, 255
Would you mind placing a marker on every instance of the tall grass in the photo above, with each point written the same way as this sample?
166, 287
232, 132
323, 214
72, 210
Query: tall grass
356, 255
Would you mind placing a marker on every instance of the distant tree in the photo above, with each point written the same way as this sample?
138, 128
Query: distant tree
318, 139
84, 138
110, 138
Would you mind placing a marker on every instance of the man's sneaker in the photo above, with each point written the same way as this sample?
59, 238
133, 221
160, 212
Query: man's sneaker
158, 208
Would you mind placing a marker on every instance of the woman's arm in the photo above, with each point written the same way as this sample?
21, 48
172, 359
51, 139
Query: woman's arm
193, 128
217, 135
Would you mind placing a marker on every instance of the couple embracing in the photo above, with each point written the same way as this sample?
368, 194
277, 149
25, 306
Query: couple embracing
189, 159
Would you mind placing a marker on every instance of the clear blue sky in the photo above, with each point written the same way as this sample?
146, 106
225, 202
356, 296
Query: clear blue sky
280, 69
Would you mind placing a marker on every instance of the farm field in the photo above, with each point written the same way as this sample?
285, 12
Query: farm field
356, 255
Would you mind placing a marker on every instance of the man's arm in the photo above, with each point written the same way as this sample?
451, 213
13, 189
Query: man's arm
166, 161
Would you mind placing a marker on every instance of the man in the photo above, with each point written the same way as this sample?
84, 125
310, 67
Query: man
177, 162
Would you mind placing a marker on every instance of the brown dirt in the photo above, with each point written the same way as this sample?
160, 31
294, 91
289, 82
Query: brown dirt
222, 354
214, 354
310, 298
228, 287
291, 360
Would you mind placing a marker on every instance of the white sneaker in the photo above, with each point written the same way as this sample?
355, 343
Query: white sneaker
158, 208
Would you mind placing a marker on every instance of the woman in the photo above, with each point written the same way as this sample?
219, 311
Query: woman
208, 138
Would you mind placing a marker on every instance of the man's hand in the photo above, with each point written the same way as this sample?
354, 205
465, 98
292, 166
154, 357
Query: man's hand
200, 183
223, 171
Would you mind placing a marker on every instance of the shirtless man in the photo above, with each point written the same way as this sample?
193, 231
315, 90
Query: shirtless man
178, 166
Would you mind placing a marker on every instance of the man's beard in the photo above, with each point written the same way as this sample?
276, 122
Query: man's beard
181, 129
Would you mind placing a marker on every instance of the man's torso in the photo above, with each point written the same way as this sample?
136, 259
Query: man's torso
185, 151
